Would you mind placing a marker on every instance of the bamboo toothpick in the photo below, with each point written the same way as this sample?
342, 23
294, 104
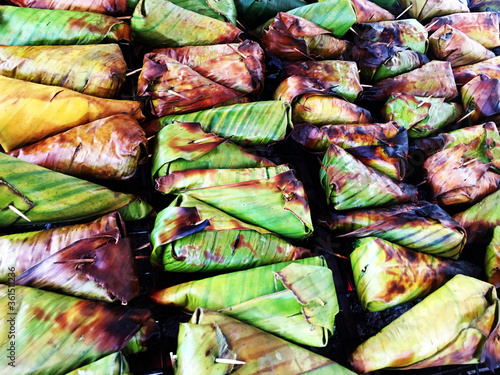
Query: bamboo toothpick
367, 86
463, 118
177, 94
354, 31
303, 54
205, 139
133, 72
229, 361
431, 24
238, 52
124, 18
19, 213
424, 101
404, 11
143, 246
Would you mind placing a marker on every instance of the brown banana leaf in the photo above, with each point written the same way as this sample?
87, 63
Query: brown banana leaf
31, 112
434, 78
452, 45
380, 60
293, 37
97, 70
426, 229
70, 331
450, 326
348, 183
367, 11
224, 337
490, 67
484, 5
330, 77
483, 27
480, 219
420, 116
480, 97
183, 145
109, 148
328, 110
492, 259
388, 275
345, 136
425, 9
456, 178
194, 78
111, 7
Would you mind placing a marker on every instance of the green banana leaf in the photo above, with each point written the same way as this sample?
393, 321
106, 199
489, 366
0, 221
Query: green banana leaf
190, 236
426, 229
254, 12
492, 259
182, 145
111, 7
224, 10
479, 99
278, 204
113, 364
163, 23
259, 123
110, 148
336, 16
45, 196
144, 339
388, 275
480, 219
33, 27
345, 136
97, 70
210, 335
69, 331
490, 67
328, 110
296, 301
432, 79
348, 183
330, 77
419, 115
450, 326
425, 9
368, 11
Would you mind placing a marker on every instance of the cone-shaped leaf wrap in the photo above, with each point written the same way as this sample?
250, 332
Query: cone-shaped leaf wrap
112, 7
449, 326
224, 337
367, 11
425, 9
49, 197
348, 183
388, 275
294, 300
71, 331
191, 236
97, 70
34, 27
490, 67
492, 259
109, 148
480, 96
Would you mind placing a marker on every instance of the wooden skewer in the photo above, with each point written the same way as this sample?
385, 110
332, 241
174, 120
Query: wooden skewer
431, 24
404, 11
229, 361
142, 256
463, 118
123, 18
238, 52
320, 301
468, 162
368, 86
354, 31
177, 94
19, 213
303, 54
133, 72
205, 139
143, 246
150, 138
423, 101
421, 183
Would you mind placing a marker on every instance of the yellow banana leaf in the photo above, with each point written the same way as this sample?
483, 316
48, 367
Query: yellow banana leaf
30, 112
113, 364
226, 338
425, 9
111, 7
492, 259
388, 275
490, 67
450, 326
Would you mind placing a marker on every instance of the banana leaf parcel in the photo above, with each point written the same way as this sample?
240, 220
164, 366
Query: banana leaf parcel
421, 116
210, 335
97, 70
388, 275
492, 259
183, 145
276, 201
254, 12
367, 11
34, 27
452, 45
191, 236
348, 183
480, 99
328, 110
345, 136
111, 7
69, 332
109, 148
45, 196
483, 27
113, 364
425, 9
432, 79
258, 124
294, 38
188, 79
490, 67
294, 300
330, 77
483, 5
480, 219
450, 326
30, 112
163, 23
